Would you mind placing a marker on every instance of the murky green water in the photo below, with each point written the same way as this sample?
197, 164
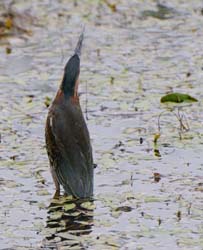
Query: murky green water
130, 60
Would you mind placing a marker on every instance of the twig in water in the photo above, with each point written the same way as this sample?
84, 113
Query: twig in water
86, 101
184, 126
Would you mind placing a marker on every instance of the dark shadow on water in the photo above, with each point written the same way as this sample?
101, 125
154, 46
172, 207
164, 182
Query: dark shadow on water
67, 221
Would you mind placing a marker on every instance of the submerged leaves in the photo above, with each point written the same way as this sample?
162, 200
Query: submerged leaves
163, 12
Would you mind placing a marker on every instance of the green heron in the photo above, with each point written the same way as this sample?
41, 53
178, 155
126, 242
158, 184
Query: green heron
67, 137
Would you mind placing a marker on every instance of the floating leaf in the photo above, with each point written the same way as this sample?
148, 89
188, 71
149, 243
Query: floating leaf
43, 192
68, 207
124, 209
152, 199
116, 214
178, 98
74, 214
157, 153
88, 205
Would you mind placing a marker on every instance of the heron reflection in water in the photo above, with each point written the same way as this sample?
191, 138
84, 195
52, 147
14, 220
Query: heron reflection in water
67, 221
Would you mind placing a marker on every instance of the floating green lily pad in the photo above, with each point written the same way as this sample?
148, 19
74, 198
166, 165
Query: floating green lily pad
178, 98
88, 205
70, 206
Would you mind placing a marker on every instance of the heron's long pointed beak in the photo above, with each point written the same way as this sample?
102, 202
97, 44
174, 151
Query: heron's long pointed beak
79, 44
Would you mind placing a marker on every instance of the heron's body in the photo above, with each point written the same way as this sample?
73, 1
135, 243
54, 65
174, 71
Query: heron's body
67, 137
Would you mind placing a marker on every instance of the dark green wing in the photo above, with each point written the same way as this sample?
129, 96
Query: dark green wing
73, 164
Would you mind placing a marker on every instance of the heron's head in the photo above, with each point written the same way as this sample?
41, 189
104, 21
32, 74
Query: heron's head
70, 80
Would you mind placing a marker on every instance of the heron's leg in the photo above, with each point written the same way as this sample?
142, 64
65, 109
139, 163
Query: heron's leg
56, 194
67, 192
57, 185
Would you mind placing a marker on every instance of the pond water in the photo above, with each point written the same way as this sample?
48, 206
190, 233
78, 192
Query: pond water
147, 195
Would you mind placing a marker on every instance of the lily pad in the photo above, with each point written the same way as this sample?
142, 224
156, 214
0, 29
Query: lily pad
88, 205
68, 207
178, 98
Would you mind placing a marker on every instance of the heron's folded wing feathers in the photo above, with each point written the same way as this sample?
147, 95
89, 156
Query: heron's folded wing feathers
74, 167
